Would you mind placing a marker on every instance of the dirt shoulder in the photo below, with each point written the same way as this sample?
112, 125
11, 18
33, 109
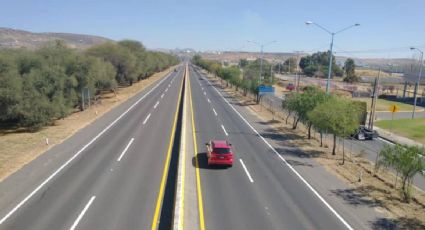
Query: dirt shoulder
375, 189
18, 148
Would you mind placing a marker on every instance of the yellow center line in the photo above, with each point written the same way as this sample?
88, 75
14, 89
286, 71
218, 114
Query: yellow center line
160, 197
198, 178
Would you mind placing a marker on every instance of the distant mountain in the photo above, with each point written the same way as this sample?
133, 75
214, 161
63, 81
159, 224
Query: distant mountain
11, 38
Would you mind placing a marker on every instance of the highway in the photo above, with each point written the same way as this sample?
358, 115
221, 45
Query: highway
107, 176
113, 173
260, 191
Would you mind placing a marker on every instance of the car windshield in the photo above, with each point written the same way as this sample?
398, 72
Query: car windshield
222, 150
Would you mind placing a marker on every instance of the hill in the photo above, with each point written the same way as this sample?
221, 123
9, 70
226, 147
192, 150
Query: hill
12, 38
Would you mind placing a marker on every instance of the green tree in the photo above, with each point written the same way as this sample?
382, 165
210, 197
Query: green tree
10, 88
290, 65
120, 57
337, 116
302, 103
407, 161
229, 74
243, 63
349, 69
317, 65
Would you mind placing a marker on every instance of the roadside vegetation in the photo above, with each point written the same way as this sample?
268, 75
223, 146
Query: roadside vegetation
40, 86
407, 161
384, 105
245, 76
317, 65
411, 128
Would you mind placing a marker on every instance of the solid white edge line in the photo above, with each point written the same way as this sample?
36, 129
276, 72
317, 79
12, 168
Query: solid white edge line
162, 95
82, 213
208, 100
286, 163
246, 171
215, 113
166, 89
125, 149
224, 130
147, 118
205, 93
156, 104
78, 153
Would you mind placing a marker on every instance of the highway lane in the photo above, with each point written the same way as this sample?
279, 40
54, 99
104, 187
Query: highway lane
114, 183
275, 198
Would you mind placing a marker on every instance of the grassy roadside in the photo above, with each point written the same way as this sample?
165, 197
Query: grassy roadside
375, 190
411, 128
384, 105
18, 148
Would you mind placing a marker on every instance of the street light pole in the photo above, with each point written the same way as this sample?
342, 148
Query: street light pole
331, 48
418, 83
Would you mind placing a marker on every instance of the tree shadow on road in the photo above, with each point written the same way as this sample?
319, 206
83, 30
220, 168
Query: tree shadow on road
299, 163
269, 122
357, 196
399, 223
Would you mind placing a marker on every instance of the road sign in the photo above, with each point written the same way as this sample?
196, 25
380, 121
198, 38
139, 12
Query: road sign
264, 89
394, 108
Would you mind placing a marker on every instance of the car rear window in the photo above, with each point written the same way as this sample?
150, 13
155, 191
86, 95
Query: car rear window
222, 150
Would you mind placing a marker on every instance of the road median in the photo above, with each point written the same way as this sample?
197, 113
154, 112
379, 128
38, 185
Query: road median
186, 209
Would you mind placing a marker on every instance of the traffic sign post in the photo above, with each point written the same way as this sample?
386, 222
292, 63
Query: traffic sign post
263, 89
393, 109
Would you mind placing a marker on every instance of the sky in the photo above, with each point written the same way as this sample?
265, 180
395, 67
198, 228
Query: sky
387, 27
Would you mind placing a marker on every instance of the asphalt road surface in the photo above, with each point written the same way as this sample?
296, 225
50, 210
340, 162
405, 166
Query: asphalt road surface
259, 191
107, 176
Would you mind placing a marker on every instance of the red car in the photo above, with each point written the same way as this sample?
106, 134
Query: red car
219, 152
290, 87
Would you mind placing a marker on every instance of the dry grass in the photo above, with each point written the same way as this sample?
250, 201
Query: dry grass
371, 73
19, 147
376, 190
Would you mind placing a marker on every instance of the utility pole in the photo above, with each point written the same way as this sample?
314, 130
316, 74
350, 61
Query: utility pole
261, 56
261, 65
289, 66
418, 83
298, 77
271, 74
374, 98
82, 99
279, 68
